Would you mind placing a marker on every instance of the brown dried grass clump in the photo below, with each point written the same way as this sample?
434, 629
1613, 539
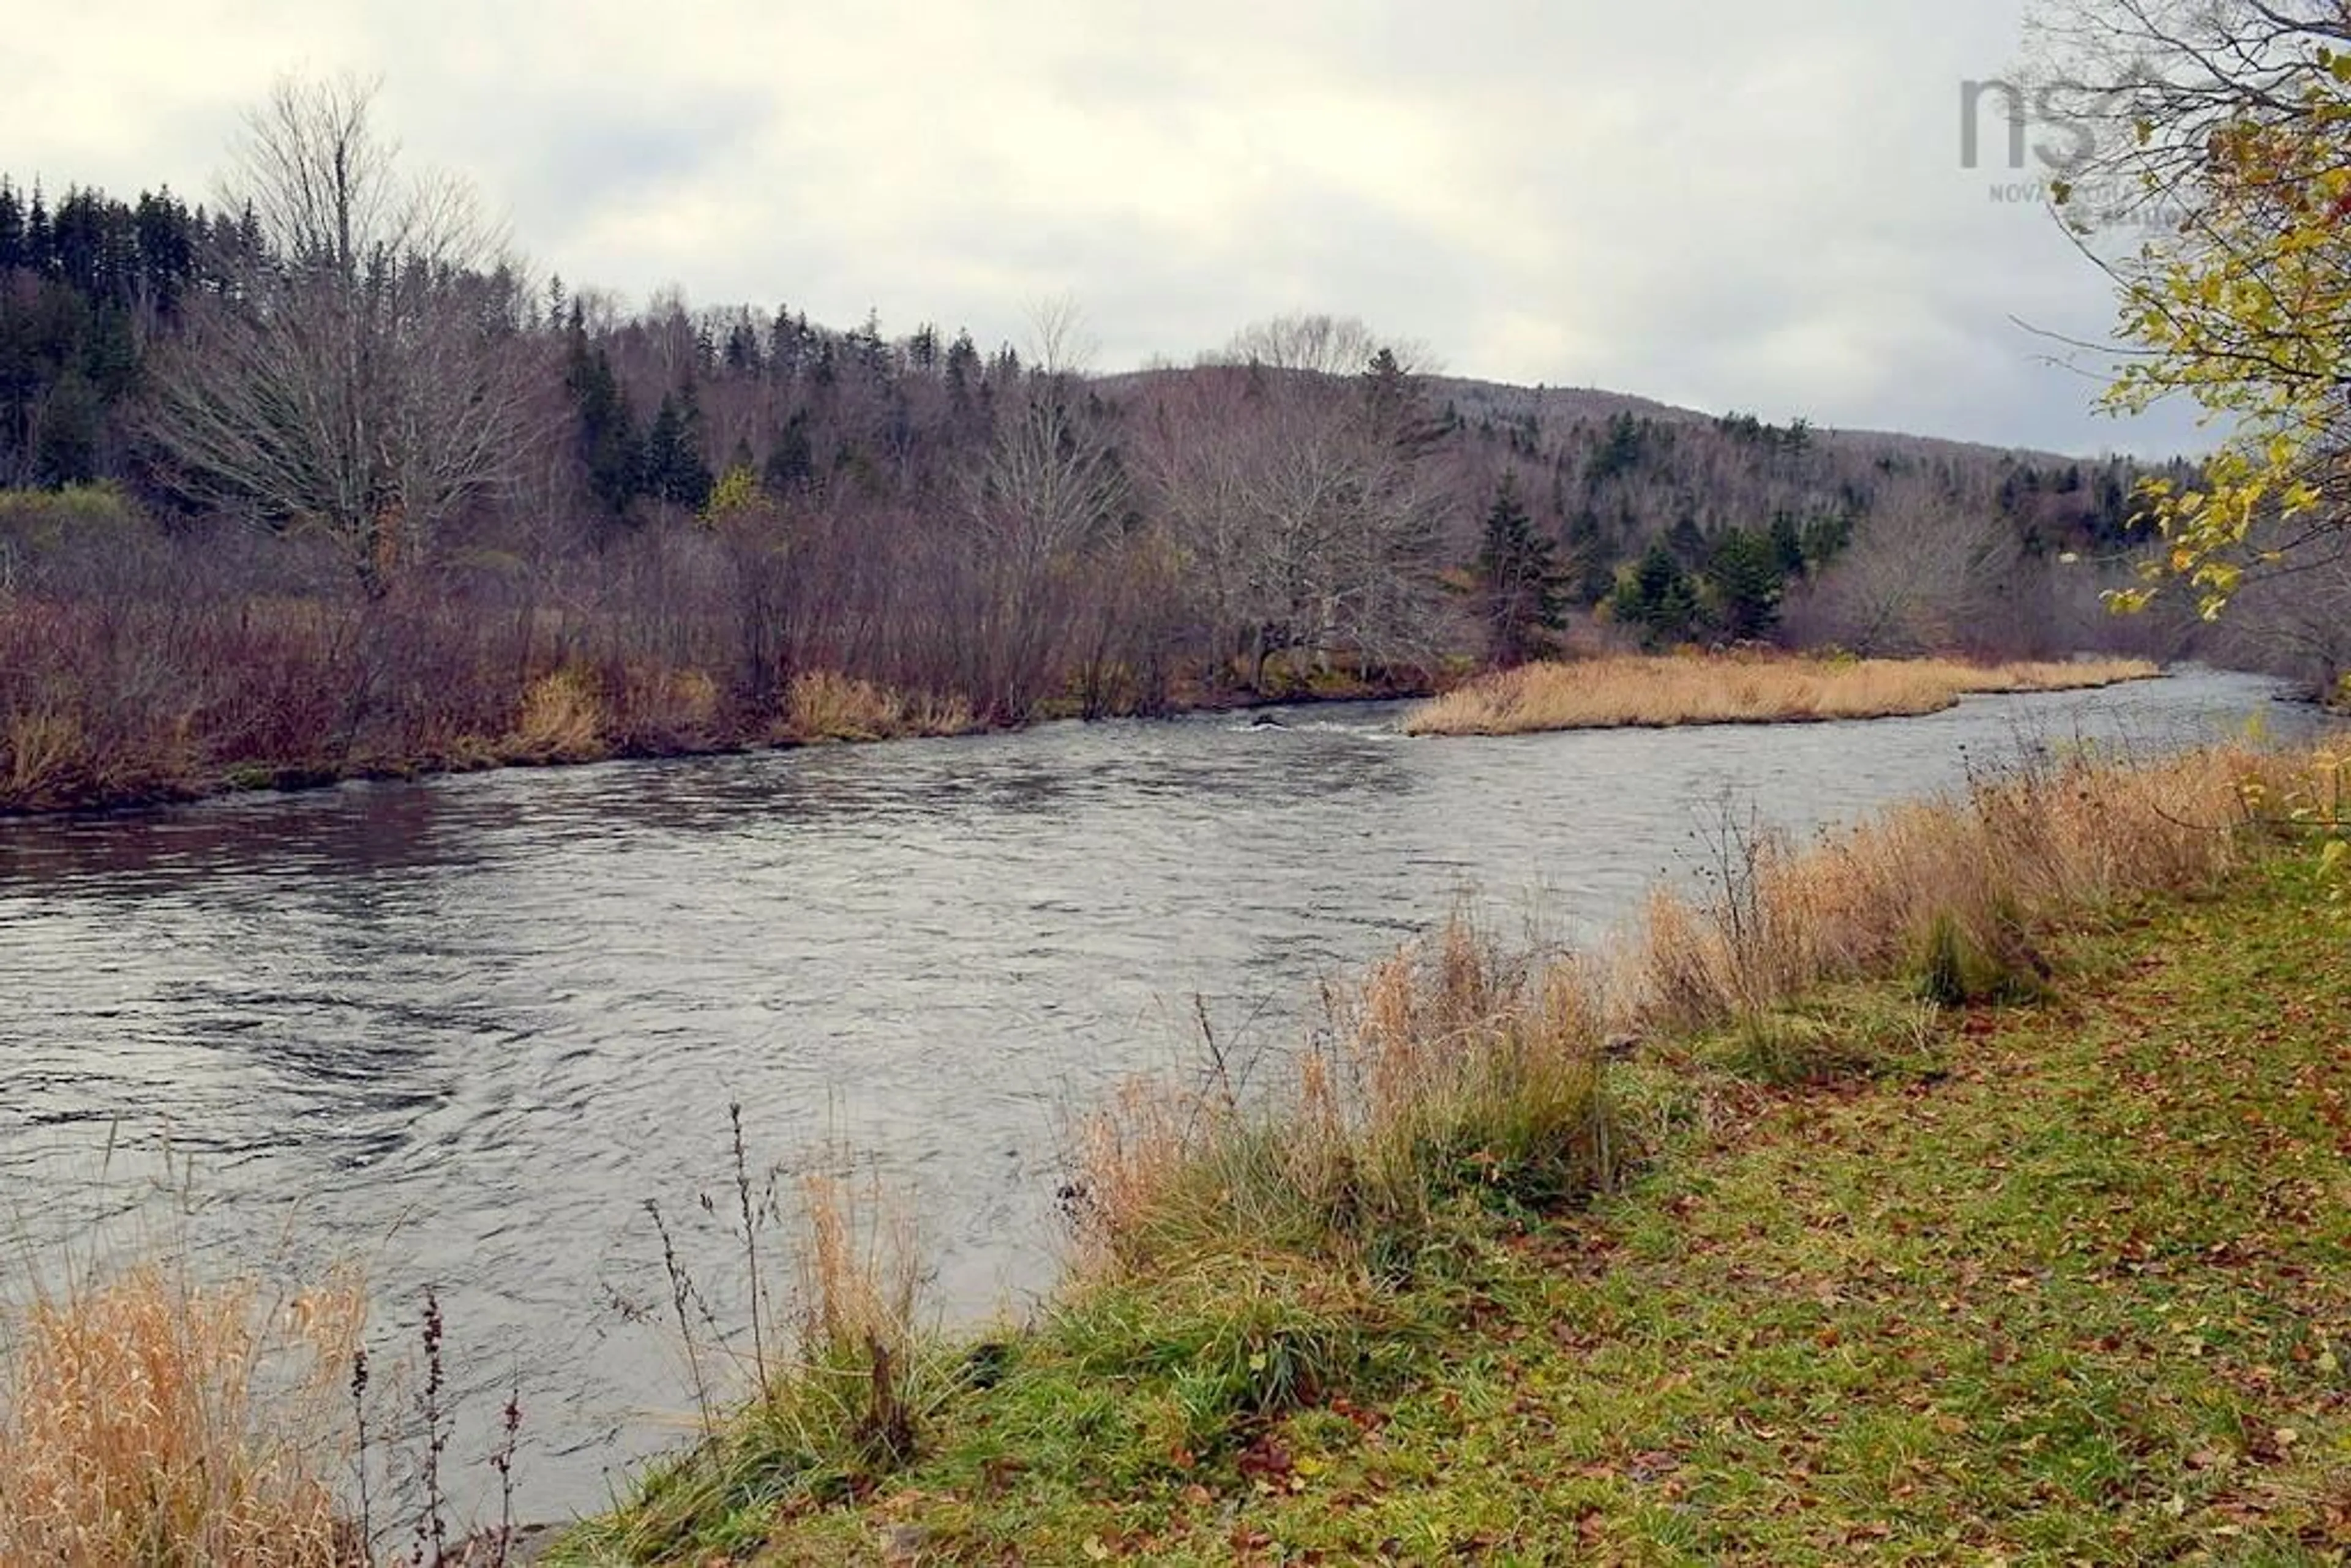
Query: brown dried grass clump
861, 1269
823, 705
563, 721
1631, 690
149, 1419
43, 757
860, 1354
1452, 1068
658, 711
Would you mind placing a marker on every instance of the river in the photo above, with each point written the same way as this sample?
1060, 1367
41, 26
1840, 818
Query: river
461, 1029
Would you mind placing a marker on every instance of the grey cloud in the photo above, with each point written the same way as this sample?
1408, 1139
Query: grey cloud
1756, 205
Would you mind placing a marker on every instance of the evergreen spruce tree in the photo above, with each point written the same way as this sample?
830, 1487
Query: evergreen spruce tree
11, 227
1518, 573
1745, 577
39, 248
1620, 450
608, 444
963, 362
664, 449
1689, 541
792, 462
1788, 543
675, 470
1592, 556
1660, 598
70, 421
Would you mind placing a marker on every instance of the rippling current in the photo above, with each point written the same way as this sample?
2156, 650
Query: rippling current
460, 1030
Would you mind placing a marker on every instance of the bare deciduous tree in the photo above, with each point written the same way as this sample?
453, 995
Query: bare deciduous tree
366, 375
2296, 621
1059, 343
1288, 473
1916, 580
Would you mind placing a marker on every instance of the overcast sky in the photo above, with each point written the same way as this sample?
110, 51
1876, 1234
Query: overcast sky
1752, 204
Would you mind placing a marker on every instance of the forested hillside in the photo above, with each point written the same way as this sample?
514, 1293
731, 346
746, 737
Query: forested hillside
290, 495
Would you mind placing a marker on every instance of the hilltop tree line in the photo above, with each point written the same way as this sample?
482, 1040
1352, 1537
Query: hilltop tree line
619, 426
329, 465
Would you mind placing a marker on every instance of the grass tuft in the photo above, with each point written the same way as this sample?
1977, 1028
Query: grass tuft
823, 706
41, 755
562, 719
151, 1419
1453, 1070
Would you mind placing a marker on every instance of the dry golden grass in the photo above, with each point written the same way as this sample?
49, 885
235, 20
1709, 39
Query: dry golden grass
861, 1380
41, 754
1633, 691
825, 705
1455, 1068
148, 1419
691, 700
654, 710
928, 714
2056, 840
861, 1271
561, 720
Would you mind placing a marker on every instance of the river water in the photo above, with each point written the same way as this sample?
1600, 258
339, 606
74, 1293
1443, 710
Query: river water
460, 1030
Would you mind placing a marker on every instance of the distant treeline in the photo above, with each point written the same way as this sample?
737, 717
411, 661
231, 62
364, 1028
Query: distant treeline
686, 511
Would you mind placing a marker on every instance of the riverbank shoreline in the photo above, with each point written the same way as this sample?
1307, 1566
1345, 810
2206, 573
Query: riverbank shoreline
845, 724
563, 721
1659, 692
1979, 1249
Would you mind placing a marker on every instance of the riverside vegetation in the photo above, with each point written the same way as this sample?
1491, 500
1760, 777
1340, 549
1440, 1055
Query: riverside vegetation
1612, 693
1946, 1187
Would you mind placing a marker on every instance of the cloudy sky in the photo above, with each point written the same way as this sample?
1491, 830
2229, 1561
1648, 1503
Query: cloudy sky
1751, 205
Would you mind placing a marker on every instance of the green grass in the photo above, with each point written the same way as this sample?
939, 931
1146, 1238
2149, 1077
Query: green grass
2061, 1283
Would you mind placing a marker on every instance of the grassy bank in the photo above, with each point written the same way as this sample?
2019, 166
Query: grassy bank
1970, 1189
2065, 1283
1627, 691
